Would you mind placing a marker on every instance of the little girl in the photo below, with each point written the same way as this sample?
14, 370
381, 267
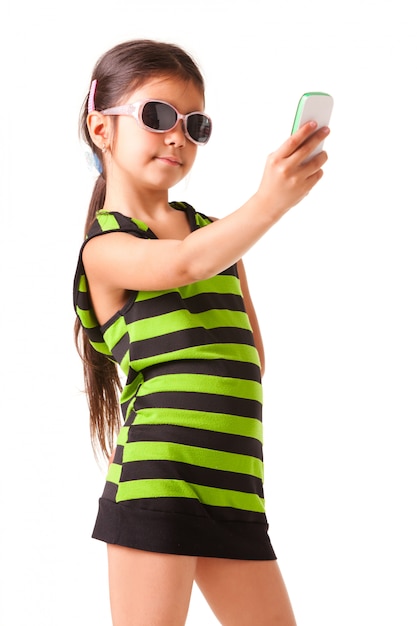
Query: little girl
161, 296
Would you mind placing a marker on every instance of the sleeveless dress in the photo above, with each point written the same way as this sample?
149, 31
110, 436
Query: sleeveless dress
187, 476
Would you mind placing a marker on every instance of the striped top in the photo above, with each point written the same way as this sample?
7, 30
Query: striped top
188, 467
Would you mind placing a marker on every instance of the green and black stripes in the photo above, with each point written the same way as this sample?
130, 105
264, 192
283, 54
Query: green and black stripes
191, 443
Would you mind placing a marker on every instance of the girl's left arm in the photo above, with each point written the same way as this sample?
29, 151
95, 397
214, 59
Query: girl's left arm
250, 310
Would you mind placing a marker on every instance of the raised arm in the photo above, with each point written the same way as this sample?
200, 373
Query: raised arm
121, 261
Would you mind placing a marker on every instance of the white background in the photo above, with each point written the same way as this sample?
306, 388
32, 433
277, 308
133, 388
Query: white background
334, 286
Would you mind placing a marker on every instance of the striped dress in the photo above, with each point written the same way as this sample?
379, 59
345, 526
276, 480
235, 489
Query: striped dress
187, 476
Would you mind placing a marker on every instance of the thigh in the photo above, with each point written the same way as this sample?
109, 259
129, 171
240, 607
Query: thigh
148, 588
244, 593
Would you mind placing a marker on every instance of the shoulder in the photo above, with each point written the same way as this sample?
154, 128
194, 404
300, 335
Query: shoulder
109, 222
201, 219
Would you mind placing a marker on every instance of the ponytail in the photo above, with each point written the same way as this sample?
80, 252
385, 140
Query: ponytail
102, 387
101, 378
96, 203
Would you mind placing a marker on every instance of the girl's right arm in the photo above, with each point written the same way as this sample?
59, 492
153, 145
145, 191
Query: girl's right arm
122, 262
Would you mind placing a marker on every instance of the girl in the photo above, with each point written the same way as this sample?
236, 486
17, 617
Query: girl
163, 295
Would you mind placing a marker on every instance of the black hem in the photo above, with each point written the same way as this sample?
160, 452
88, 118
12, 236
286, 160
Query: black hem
131, 526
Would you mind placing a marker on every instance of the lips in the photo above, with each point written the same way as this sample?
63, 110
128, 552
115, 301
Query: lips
170, 160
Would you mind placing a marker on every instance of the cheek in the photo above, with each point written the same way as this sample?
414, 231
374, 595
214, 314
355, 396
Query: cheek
130, 137
137, 147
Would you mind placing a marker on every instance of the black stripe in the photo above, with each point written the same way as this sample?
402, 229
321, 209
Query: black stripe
145, 309
110, 491
197, 401
169, 302
207, 301
94, 334
83, 300
175, 470
212, 440
95, 229
121, 347
189, 338
118, 455
218, 367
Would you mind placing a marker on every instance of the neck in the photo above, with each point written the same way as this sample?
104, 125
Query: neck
139, 203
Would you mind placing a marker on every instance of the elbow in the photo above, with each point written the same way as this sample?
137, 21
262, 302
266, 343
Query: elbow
194, 270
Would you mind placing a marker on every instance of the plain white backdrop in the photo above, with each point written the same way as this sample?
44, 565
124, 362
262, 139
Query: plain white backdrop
334, 286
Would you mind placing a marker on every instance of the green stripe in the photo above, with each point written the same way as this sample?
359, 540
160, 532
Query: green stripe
114, 473
203, 457
229, 351
215, 422
102, 348
158, 488
130, 390
216, 284
83, 284
183, 319
87, 318
115, 332
204, 383
123, 435
141, 224
201, 221
107, 221
125, 363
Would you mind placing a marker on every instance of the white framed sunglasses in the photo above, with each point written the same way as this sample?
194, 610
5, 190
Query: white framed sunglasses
158, 116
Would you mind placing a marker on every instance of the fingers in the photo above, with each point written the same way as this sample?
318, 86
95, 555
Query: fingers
303, 142
314, 178
312, 170
316, 163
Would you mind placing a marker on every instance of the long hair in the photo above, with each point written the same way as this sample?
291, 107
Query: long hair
119, 72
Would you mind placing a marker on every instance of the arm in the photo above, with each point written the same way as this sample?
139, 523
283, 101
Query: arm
250, 310
120, 261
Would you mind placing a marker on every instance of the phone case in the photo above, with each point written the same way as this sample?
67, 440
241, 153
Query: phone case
317, 106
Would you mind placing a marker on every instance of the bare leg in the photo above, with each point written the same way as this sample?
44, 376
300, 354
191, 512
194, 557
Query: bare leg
148, 588
244, 593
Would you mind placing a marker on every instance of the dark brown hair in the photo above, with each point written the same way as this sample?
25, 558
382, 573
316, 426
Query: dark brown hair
119, 72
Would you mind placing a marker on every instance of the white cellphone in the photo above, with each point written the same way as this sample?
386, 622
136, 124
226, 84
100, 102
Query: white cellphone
317, 106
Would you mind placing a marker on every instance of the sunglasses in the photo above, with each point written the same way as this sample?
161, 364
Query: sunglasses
160, 117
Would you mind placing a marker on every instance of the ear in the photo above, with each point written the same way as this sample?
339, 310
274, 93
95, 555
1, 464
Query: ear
98, 128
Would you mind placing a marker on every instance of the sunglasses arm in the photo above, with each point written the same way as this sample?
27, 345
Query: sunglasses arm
123, 109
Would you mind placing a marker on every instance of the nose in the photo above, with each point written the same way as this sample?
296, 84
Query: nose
176, 136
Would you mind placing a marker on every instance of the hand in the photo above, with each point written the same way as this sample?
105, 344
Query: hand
287, 178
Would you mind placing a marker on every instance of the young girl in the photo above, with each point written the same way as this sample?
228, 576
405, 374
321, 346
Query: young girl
160, 291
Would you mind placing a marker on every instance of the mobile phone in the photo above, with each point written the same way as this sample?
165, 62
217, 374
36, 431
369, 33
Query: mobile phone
317, 106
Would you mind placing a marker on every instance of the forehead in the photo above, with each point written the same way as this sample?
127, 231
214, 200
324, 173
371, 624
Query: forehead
179, 92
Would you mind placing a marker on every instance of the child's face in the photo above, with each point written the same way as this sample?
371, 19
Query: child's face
154, 161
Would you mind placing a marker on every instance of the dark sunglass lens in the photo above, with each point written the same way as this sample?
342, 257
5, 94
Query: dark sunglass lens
158, 116
199, 127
